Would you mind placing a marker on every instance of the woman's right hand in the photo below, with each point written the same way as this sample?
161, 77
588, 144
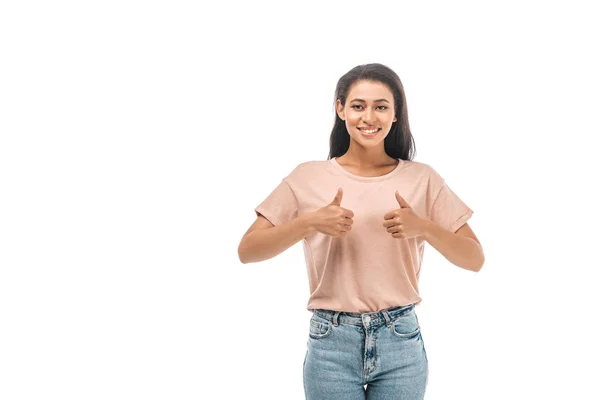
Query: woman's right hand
333, 220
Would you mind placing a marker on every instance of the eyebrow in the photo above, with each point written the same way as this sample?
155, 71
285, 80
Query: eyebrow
362, 101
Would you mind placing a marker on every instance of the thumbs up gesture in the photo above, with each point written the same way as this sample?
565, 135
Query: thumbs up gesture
403, 223
337, 201
333, 219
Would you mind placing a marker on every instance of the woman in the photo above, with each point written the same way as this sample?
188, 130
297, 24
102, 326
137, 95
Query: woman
363, 216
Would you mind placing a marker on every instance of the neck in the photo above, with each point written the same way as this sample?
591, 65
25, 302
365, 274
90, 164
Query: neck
363, 157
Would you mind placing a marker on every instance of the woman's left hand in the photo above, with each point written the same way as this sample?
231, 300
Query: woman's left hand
403, 223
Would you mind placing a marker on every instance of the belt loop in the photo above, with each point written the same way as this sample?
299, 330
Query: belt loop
335, 318
388, 320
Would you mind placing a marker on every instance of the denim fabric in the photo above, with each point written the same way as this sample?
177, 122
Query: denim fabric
383, 350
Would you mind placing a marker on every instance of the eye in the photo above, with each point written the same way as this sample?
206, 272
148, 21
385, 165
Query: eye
360, 107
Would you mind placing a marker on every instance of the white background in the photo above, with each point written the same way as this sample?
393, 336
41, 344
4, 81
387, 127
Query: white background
137, 138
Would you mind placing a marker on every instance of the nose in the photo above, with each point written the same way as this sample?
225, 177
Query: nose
369, 117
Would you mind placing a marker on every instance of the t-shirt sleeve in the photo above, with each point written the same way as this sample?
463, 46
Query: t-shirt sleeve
280, 206
447, 209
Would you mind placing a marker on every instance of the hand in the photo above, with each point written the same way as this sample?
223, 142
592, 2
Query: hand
333, 220
403, 223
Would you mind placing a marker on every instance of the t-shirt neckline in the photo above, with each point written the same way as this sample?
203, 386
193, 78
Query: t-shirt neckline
367, 178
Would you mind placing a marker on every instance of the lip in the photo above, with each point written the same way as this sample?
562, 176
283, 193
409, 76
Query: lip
369, 135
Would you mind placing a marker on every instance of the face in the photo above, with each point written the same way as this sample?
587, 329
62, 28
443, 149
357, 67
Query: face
368, 112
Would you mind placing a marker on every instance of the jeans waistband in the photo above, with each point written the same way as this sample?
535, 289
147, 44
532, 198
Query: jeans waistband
370, 318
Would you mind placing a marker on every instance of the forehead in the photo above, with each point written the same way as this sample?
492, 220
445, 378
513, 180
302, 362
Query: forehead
369, 90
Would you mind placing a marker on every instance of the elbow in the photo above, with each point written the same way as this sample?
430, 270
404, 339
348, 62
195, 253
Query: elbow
474, 262
477, 267
477, 259
242, 256
241, 253
245, 254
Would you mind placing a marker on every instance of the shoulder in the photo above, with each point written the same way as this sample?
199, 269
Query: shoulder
308, 168
422, 170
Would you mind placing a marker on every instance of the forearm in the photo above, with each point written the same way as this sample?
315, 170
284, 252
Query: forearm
263, 244
461, 251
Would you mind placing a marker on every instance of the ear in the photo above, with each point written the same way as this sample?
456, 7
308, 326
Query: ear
340, 109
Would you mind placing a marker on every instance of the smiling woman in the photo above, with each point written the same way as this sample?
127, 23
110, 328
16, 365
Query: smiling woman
363, 217
371, 115
368, 114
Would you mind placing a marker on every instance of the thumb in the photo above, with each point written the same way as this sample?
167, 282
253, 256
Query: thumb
338, 198
401, 201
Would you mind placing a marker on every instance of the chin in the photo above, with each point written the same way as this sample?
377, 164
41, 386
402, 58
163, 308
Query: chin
368, 142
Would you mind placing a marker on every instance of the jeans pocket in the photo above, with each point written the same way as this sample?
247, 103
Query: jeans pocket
405, 326
319, 327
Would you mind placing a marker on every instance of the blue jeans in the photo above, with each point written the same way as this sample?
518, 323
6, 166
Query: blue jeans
382, 350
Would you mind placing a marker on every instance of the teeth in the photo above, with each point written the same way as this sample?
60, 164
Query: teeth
369, 131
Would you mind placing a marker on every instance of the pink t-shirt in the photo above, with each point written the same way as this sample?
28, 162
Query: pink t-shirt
366, 270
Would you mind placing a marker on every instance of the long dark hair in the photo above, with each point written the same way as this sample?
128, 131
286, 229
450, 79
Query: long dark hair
399, 142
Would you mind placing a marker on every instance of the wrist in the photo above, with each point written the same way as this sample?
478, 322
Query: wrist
307, 222
426, 226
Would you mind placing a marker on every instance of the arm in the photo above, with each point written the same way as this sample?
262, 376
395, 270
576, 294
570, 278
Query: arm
461, 248
264, 241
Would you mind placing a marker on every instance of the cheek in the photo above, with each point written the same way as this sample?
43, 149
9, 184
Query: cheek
388, 118
352, 119
350, 127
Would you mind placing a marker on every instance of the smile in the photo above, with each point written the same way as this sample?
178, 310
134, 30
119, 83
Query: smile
369, 132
